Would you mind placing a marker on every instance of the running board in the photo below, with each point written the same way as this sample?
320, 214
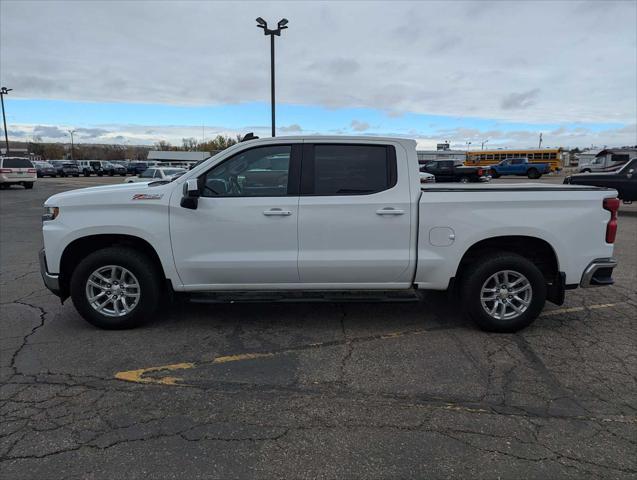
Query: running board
285, 296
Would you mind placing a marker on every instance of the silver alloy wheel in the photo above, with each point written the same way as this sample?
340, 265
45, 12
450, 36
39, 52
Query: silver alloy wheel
506, 295
113, 291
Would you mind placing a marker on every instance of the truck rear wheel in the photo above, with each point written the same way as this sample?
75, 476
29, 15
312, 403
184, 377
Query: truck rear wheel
503, 293
115, 288
533, 174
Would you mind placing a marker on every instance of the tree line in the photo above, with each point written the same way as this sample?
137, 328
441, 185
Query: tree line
86, 151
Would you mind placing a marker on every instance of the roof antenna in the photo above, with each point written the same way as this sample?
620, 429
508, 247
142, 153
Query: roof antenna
249, 136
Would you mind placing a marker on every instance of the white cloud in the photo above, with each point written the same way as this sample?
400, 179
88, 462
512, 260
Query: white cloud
550, 62
150, 134
359, 126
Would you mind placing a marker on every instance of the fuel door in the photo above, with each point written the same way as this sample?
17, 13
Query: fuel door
441, 236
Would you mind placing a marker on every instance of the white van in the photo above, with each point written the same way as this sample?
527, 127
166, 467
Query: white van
17, 171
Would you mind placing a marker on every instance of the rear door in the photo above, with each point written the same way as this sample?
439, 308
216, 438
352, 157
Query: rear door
354, 215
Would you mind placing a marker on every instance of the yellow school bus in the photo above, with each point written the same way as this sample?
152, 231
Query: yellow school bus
552, 156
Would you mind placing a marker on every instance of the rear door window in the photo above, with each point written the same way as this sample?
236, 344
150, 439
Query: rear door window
341, 169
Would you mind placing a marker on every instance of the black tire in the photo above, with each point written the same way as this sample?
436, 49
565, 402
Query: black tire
134, 261
28, 185
464, 179
533, 173
494, 174
479, 272
76, 175
87, 174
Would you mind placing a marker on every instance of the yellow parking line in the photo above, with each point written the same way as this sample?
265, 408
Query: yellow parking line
559, 311
140, 375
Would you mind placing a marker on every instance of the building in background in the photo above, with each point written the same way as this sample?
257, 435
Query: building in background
170, 158
442, 152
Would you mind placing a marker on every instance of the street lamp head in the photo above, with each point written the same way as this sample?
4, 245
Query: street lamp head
5, 90
262, 23
282, 23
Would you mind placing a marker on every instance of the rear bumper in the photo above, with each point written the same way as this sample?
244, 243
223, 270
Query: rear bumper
51, 281
599, 273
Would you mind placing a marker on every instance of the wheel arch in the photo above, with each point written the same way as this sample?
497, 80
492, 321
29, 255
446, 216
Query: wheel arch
79, 248
535, 249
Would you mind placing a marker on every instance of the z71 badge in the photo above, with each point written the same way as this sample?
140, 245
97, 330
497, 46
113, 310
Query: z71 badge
147, 196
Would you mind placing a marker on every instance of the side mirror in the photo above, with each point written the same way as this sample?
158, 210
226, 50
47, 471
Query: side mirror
191, 194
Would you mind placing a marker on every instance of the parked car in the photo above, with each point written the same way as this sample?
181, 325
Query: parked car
122, 163
427, 177
112, 168
348, 214
520, 167
155, 174
135, 168
90, 167
66, 168
454, 171
623, 180
45, 169
17, 171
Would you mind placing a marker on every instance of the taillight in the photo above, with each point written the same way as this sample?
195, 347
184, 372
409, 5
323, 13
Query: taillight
32, 170
6, 170
479, 172
612, 205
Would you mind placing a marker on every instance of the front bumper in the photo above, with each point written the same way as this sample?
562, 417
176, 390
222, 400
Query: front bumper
51, 281
599, 273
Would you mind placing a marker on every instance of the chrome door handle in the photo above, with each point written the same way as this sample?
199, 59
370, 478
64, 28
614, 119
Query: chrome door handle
277, 212
389, 211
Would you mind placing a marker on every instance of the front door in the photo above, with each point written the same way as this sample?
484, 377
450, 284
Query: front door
354, 216
243, 233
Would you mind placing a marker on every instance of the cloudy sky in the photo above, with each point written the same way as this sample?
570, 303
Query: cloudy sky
502, 71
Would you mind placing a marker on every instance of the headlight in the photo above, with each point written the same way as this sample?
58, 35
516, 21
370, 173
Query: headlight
50, 213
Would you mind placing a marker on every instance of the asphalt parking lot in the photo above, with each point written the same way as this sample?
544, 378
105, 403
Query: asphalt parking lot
311, 390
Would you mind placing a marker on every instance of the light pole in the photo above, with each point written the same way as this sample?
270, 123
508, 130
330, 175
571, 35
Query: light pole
266, 31
4, 91
468, 144
483, 142
71, 132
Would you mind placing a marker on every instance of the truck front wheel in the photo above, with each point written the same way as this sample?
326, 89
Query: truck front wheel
115, 288
503, 293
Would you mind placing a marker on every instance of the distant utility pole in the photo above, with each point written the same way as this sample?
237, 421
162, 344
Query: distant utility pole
4, 91
71, 132
540, 144
468, 145
266, 31
483, 142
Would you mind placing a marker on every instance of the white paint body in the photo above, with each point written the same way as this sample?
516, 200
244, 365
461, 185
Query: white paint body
332, 242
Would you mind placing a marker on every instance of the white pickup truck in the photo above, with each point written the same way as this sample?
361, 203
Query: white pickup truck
313, 217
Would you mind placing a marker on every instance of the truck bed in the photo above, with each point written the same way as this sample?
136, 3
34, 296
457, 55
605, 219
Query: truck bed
455, 217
